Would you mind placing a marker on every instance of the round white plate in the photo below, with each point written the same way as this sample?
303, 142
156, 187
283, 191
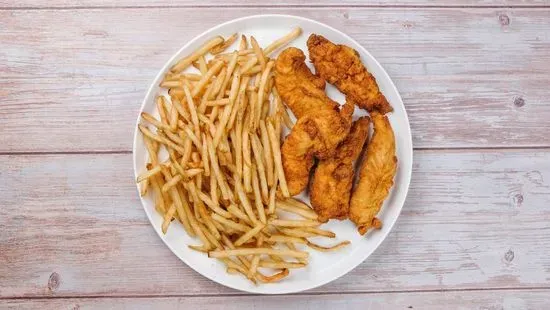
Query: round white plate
323, 267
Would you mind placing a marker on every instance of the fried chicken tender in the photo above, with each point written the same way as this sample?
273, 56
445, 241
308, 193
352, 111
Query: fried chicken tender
300, 90
341, 66
316, 134
330, 189
376, 176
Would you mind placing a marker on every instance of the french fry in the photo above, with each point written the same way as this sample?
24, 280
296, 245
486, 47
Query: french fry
185, 62
229, 223
275, 149
205, 78
319, 232
243, 45
258, 51
257, 251
258, 157
203, 68
147, 174
168, 218
296, 32
246, 204
294, 223
258, 197
261, 93
268, 157
160, 139
281, 238
223, 46
249, 235
281, 265
308, 214
327, 249
205, 156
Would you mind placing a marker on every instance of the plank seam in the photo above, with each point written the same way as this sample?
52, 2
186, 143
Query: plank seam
543, 288
404, 6
421, 149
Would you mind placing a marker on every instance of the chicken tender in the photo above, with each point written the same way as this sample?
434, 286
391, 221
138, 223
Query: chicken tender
375, 177
341, 66
330, 189
300, 90
316, 134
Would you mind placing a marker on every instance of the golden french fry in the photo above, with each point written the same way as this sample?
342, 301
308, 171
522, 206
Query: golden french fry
283, 41
261, 93
320, 232
229, 223
282, 265
185, 62
276, 150
281, 238
203, 68
268, 157
147, 174
259, 158
296, 232
206, 77
168, 218
258, 51
257, 251
249, 235
245, 203
294, 223
160, 139
227, 43
258, 197
327, 249
309, 214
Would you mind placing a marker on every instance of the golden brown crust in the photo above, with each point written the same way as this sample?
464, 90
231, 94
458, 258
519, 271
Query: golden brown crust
375, 177
330, 189
316, 134
341, 66
300, 90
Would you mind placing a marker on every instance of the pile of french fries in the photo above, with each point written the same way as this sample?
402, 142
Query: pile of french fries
223, 179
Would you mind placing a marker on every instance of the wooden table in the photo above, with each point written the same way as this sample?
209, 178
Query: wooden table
475, 229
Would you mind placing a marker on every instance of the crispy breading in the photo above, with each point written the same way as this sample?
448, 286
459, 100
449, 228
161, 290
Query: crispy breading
330, 189
375, 177
316, 134
300, 90
341, 66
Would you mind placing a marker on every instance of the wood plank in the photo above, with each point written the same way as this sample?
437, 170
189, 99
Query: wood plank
72, 225
300, 3
468, 77
500, 299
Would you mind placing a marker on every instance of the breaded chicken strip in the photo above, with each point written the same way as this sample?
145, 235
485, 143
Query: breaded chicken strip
300, 90
317, 134
341, 66
330, 189
376, 176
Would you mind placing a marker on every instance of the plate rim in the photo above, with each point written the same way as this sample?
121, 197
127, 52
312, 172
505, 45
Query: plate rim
405, 185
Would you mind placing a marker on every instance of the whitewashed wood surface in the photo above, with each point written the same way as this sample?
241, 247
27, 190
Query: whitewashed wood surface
474, 232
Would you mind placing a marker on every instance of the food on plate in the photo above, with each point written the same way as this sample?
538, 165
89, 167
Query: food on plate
330, 188
317, 134
375, 176
301, 90
215, 163
320, 126
341, 66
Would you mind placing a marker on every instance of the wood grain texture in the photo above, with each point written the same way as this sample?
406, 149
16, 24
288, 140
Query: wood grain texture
503, 299
300, 3
72, 225
73, 80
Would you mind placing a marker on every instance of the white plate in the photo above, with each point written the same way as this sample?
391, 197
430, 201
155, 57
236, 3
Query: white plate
323, 267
